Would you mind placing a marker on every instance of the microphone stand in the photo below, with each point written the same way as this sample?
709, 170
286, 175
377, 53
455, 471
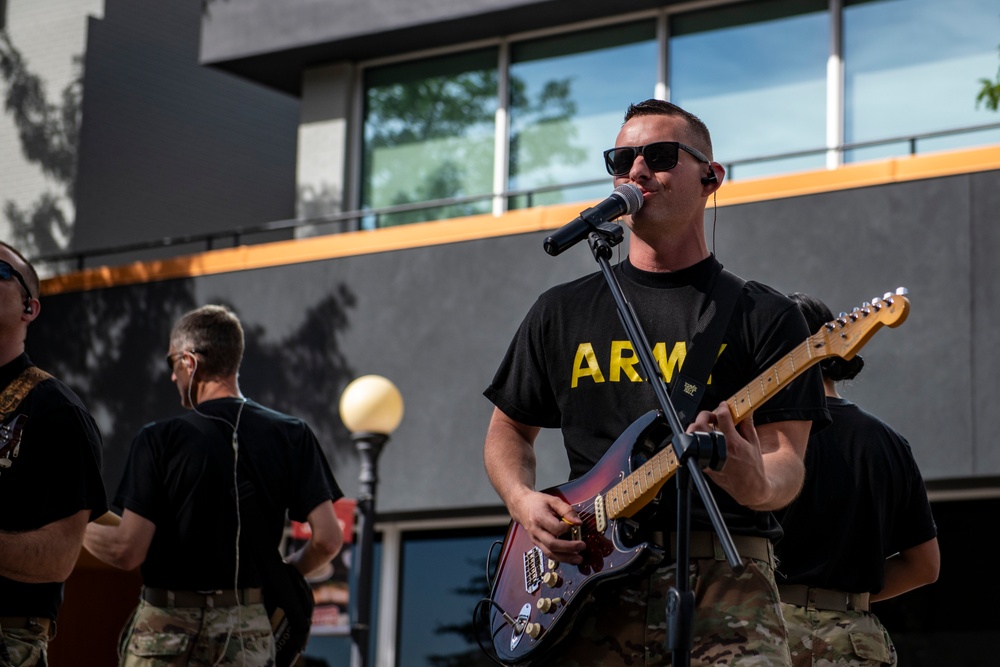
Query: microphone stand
693, 451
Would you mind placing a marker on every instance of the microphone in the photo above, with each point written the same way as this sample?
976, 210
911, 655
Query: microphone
625, 200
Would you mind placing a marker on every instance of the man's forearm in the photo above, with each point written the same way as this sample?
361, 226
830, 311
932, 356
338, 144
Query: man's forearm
43, 555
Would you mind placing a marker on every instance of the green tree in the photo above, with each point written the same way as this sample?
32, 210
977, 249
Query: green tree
442, 113
989, 94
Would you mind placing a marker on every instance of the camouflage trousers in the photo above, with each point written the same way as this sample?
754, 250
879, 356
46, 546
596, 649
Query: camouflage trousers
827, 638
737, 620
23, 648
178, 636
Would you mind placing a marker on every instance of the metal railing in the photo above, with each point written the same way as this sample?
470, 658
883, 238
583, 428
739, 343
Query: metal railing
352, 220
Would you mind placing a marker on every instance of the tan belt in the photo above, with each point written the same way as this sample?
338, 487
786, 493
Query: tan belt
824, 599
26, 623
704, 544
161, 597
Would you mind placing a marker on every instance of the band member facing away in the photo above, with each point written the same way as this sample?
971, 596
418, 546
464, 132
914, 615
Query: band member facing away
184, 526
559, 373
50, 476
860, 531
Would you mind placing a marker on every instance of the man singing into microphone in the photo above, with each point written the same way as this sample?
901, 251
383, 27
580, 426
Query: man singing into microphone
572, 366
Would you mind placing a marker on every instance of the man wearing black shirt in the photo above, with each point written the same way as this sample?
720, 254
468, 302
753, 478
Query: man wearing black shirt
183, 523
50, 476
860, 531
572, 367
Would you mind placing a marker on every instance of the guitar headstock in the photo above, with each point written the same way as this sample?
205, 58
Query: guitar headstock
846, 334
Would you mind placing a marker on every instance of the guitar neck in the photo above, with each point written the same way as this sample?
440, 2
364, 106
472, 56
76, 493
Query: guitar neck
767, 384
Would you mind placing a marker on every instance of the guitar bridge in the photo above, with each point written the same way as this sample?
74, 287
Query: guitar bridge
532, 569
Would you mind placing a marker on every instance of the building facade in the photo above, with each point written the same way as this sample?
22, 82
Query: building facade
369, 186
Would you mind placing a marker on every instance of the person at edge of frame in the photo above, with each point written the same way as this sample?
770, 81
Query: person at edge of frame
860, 531
50, 476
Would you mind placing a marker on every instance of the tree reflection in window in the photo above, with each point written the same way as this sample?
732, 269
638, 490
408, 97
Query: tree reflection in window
429, 134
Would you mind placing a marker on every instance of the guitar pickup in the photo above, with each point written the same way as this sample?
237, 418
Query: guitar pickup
600, 516
533, 569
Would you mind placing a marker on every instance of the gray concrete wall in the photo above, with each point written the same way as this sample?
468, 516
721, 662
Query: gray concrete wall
273, 43
169, 147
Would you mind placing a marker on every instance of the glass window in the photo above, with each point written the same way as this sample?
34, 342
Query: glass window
755, 73
428, 134
568, 95
912, 67
444, 575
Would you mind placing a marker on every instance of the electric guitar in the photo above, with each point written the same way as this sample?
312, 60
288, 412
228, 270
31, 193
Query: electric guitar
10, 441
533, 599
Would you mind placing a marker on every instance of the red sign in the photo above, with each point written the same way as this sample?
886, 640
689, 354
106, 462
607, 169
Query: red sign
344, 509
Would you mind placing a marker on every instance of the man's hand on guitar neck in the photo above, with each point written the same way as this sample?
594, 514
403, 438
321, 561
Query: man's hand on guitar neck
764, 467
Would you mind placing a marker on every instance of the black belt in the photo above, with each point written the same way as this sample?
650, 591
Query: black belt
161, 597
824, 599
26, 623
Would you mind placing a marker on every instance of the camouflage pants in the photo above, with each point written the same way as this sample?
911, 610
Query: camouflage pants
23, 648
737, 620
178, 636
828, 638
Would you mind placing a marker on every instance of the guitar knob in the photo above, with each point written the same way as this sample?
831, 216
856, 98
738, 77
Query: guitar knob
546, 605
533, 630
551, 564
550, 579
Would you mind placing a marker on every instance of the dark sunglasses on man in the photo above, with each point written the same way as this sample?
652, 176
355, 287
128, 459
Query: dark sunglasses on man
7, 272
659, 156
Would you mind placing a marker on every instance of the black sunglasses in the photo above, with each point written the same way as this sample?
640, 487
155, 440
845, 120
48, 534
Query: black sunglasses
659, 156
7, 272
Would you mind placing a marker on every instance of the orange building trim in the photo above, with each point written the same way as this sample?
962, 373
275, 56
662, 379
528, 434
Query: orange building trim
297, 251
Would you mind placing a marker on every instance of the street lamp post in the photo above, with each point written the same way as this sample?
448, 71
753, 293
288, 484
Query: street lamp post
371, 407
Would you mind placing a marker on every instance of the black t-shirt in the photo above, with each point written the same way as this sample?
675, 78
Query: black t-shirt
570, 366
863, 500
180, 476
57, 473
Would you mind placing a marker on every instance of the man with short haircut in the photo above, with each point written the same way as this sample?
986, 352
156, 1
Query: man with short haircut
560, 372
186, 527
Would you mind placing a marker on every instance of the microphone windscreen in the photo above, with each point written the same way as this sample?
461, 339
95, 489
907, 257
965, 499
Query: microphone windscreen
632, 196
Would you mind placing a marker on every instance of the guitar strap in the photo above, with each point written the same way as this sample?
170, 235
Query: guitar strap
19, 388
689, 385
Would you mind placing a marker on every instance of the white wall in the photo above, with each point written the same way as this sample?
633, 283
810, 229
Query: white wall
49, 34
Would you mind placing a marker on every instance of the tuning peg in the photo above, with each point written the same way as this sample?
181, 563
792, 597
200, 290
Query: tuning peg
902, 291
